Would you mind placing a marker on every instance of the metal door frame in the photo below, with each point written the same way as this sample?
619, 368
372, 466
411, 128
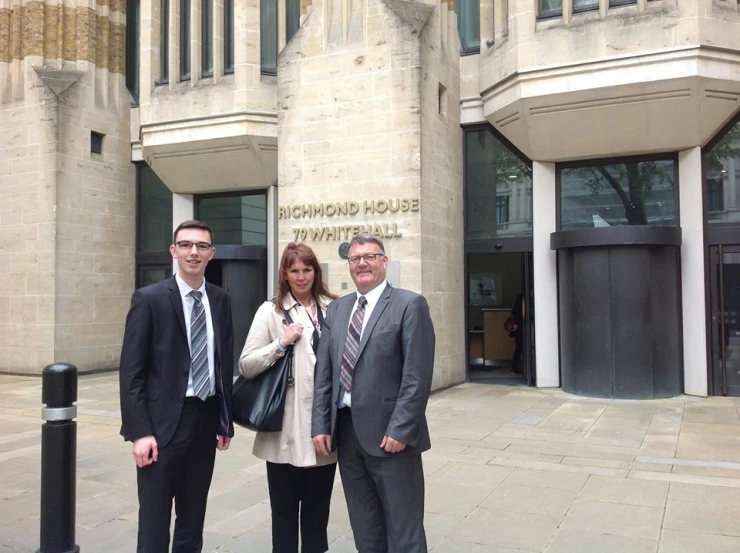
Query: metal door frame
718, 345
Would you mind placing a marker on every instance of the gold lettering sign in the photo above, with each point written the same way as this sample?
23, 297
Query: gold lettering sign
336, 209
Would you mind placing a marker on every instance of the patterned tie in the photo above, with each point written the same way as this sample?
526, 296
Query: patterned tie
199, 349
352, 345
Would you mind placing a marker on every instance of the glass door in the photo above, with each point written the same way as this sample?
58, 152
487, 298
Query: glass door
725, 319
500, 318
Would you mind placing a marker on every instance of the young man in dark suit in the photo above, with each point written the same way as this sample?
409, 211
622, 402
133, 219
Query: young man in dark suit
372, 383
175, 385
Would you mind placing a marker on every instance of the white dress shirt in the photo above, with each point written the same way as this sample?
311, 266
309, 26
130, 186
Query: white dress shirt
372, 298
187, 306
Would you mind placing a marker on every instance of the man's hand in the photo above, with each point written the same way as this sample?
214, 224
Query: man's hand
223, 442
322, 444
391, 445
145, 451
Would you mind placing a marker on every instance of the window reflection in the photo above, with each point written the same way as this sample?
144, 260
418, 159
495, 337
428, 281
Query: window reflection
722, 166
236, 220
630, 193
498, 188
154, 204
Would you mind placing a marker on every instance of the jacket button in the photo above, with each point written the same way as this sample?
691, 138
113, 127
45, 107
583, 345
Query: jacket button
182, 398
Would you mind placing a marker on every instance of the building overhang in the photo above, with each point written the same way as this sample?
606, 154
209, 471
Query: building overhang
657, 102
213, 154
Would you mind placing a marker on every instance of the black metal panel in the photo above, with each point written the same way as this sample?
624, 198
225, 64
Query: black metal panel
592, 322
620, 321
566, 314
616, 236
253, 253
665, 309
632, 349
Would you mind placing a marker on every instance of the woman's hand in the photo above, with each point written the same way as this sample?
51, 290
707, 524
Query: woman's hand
291, 334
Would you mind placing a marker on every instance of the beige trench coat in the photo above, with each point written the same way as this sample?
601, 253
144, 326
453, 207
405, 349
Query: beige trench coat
293, 444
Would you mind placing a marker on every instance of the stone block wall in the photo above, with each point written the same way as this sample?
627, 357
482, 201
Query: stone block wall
66, 214
359, 136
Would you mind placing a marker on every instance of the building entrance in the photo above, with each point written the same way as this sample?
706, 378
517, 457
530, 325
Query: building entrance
242, 272
725, 318
500, 317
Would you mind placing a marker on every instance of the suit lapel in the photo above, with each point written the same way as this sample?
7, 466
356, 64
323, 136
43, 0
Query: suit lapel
176, 300
377, 312
215, 319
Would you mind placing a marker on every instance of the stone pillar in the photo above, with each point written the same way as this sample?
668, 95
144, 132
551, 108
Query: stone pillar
369, 140
544, 222
693, 298
66, 213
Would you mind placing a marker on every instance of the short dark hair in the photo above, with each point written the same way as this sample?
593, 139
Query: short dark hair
192, 223
364, 238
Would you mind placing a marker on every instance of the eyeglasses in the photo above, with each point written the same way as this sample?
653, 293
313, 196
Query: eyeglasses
187, 245
368, 257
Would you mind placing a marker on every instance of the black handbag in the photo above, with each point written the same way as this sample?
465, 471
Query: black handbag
259, 403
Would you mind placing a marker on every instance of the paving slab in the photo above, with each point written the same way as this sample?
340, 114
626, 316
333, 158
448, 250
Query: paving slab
511, 470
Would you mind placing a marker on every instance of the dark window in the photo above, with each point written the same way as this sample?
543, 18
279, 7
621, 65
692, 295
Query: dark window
96, 142
615, 3
206, 26
550, 8
132, 49
228, 36
164, 49
268, 36
498, 188
722, 173
502, 209
585, 5
154, 212
236, 219
184, 40
153, 227
641, 192
468, 25
292, 17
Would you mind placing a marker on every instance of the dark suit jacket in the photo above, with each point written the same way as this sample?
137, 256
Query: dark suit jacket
155, 361
393, 375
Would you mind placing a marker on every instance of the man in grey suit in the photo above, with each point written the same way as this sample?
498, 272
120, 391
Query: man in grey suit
372, 382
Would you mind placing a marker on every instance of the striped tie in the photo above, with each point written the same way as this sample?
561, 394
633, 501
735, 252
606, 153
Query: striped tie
352, 345
199, 349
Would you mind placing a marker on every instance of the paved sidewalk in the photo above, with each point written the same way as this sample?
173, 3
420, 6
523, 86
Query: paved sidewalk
510, 470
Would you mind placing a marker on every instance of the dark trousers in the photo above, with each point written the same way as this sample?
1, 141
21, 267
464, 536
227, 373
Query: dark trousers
304, 492
519, 347
385, 495
183, 473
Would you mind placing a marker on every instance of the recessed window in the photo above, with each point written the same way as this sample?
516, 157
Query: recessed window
164, 46
132, 50
550, 8
615, 3
268, 37
206, 20
184, 40
468, 25
228, 36
641, 192
585, 5
96, 142
442, 101
292, 18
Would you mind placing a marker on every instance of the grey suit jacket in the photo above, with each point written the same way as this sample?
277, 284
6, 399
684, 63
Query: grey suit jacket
393, 375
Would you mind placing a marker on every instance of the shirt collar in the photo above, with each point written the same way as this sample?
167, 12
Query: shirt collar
185, 288
373, 295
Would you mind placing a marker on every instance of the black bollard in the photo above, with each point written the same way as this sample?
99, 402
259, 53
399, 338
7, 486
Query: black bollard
58, 459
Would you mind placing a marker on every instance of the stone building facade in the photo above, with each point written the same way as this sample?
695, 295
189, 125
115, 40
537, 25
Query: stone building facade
570, 162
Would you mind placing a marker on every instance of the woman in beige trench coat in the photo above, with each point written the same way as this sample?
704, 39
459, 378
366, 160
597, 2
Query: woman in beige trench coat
299, 481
